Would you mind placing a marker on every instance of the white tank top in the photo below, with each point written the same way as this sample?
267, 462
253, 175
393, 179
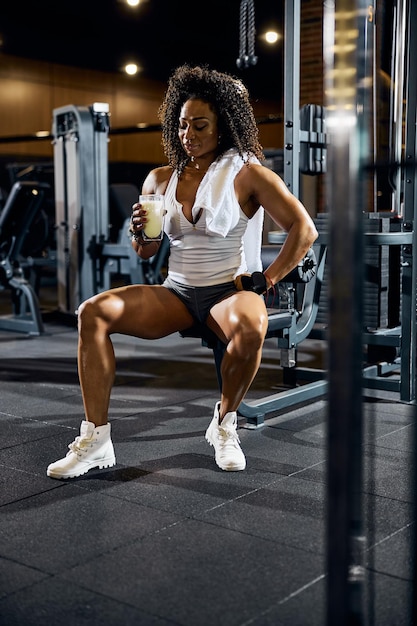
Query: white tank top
198, 257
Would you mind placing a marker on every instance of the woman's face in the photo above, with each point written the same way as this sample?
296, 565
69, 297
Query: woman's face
198, 131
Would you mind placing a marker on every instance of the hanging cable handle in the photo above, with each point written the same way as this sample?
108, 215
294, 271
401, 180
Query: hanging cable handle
247, 55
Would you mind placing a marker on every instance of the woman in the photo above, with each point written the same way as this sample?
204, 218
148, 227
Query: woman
215, 193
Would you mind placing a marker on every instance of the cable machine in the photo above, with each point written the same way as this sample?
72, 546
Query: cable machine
81, 200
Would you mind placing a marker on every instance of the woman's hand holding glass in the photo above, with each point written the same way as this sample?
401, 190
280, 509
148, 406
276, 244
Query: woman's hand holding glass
137, 221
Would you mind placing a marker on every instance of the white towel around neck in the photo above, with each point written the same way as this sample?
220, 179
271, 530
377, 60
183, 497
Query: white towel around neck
217, 196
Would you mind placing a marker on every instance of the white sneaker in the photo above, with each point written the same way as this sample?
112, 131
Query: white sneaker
92, 448
225, 441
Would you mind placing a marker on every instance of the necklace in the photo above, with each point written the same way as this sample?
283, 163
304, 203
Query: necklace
194, 162
197, 166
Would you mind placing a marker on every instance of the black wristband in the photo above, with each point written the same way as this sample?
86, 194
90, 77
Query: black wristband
255, 282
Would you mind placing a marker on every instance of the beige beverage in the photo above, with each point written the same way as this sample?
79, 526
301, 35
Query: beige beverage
153, 204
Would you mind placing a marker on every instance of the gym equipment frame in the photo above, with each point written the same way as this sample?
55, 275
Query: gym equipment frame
81, 200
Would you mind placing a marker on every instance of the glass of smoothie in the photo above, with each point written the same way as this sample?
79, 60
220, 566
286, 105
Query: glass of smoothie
153, 204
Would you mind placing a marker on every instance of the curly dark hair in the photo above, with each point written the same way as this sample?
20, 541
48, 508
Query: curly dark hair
229, 99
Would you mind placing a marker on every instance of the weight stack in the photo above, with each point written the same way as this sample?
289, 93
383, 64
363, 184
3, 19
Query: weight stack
381, 271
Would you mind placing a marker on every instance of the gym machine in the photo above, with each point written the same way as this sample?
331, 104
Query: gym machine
81, 199
389, 317
19, 213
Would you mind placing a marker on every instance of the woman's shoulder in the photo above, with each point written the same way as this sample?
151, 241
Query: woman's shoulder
254, 179
157, 179
253, 171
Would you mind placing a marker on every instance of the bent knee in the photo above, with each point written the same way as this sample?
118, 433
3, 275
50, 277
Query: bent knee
251, 332
254, 335
90, 313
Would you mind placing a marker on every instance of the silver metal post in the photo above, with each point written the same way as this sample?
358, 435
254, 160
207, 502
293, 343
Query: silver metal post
346, 29
292, 96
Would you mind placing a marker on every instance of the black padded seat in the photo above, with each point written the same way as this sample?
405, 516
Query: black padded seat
278, 319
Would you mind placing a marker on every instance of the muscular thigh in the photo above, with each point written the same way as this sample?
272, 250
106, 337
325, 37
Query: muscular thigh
146, 311
242, 309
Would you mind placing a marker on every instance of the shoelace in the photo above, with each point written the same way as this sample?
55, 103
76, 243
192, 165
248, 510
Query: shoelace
79, 444
228, 435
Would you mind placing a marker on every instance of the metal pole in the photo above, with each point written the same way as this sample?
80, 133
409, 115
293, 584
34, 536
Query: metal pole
409, 269
346, 27
292, 96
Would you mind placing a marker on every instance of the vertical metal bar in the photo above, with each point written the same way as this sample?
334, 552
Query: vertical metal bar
73, 225
409, 273
409, 270
398, 80
349, 146
292, 96
60, 210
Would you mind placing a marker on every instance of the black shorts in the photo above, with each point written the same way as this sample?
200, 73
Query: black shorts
199, 300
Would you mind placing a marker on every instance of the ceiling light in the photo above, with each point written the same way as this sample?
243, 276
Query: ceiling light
131, 69
271, 36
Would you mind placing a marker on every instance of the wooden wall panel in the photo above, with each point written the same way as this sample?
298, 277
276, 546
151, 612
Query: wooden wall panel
31, 90
22, 107
129, 147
